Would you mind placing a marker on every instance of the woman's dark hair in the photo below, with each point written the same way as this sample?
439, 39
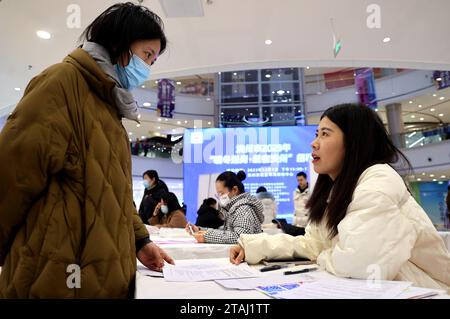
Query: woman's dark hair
231, 179
366, 143
209, 201
261, 189
152, 174
171, 201
122, 24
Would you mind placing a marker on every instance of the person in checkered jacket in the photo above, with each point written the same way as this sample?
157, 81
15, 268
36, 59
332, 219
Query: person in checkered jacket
243, 213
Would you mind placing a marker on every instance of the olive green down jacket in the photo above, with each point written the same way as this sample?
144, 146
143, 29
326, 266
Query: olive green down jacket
66, 189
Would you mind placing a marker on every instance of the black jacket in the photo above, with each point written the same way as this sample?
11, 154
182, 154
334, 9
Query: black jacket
208, 217
151, 198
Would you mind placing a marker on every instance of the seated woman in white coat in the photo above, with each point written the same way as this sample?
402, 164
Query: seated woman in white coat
363, 220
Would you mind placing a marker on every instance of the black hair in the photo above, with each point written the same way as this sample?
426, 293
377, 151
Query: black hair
302, 174
261, 189
122, 24
209, 201
231, 179
366, 143
171, 201
152, 174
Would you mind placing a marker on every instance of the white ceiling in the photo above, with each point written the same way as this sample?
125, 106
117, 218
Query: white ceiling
231, 36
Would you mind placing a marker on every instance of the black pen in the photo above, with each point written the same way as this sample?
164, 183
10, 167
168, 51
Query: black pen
273, 267
299, 271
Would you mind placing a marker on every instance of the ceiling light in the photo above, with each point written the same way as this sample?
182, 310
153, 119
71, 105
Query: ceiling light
209, 123
432, 109
159, 119
17, 89
156, 81
438, 79
130, 133
431, 175
178, 122
208, 99
43, 34
419, 179
159, 127
138, 125
268, 42
147, 104
185, 122
413, 116
441, 98
268, 76
434, 180
143, 86
441, 114
422, 119
280, 92
423, 174
142, 137
139, 116
434, 94
234, 73
178, 82
376, 110
195, 126
420, 105
307, 67
442, 176
166, 120
410, 102
386, 39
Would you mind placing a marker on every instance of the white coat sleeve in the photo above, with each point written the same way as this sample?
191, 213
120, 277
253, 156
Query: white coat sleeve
260, 247
374, 241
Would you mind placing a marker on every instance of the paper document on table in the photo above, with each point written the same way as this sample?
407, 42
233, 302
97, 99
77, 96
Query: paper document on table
208, 272
339, 288
419, 293
147, 272
252, 283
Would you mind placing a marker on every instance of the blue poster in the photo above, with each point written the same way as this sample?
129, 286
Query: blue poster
365, 87
270, 156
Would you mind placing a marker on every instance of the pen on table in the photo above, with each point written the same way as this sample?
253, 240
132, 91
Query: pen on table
299, 271
190, 229
273, 267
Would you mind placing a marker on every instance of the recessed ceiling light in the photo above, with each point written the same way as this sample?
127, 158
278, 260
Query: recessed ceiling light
43, 34
422, 119
376, 110
441, 114
432, 109
208, 99
219, 73
178, 122
420, 105
159, 119
159, 127
166, 120
307, 67
185, 122
234, 73
413, 116
268, 42
434, 180
178, 82
130, 133
130, 139
139, 116
419, 179
142, 137
17, 89
195, 126
147, 104
386, 39
410, 102
434, 95
268, 76
138, 125
441, 98
438, 79
431, 175
143, 86
156, 81
442, 176
209, 123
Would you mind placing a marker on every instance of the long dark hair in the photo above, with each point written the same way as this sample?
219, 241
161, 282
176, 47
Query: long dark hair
231, 179
122, 24
366, 143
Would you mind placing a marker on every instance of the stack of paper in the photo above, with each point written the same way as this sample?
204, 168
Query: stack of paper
342, 288
210, 271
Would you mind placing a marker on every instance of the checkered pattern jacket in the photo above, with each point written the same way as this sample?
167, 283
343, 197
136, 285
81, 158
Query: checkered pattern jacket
244, 214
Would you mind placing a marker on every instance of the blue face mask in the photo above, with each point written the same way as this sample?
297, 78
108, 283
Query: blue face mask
164, 209
134, 74
146, 184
